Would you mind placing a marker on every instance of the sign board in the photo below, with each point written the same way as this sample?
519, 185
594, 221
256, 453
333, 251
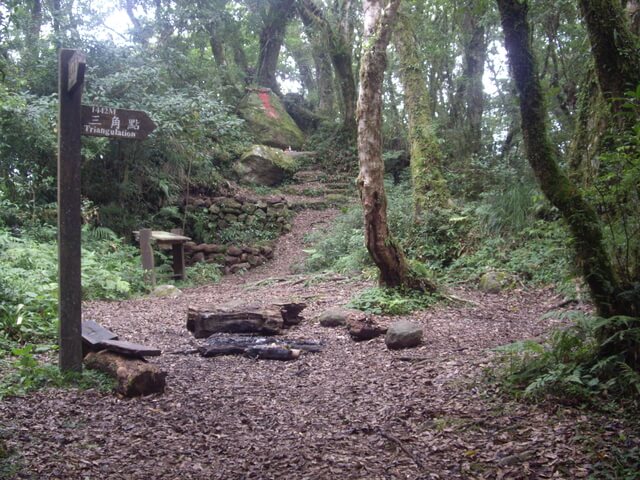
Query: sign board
116, 123
76, 67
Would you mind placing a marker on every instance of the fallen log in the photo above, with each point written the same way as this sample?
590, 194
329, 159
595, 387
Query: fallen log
221, 344
263, 320
272, 352
134, 376
291, 312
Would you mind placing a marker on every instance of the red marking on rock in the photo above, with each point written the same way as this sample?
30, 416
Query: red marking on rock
266, 103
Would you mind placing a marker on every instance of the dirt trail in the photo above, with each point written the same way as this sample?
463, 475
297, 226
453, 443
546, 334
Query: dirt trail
354, 411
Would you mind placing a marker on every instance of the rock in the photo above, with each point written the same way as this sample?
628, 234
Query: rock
231, 218
231, 260
250, 250
238, 267
264, 165
253, 260
493, 282
166, 291
197, 257
199, 248
234, 251
361, 329
249, 208
334, 317
227, 203
189, 246
266, 251
214, 209
267, 119
403, 334
215, 248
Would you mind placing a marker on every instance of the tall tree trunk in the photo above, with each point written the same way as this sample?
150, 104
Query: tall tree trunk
475, 56
614, 48
56, 17
271, 39
305, 62
592, 119
583, 222
342, 62
429, 187
321, 62
633, 12
217, 46
324, 74
339, 44
386, 253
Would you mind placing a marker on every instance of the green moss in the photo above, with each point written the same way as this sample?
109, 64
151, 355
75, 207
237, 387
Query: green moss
278, 157
273, 126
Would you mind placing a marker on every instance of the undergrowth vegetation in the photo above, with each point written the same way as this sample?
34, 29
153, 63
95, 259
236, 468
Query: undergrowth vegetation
514, 231
577, 364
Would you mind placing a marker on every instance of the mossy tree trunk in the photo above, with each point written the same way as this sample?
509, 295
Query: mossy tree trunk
592, 119
581, 217
339, 41
614, 47
386, 253
321, 61
275, 22
429, 187
467, 106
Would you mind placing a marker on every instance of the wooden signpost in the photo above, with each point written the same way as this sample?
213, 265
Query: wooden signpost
75, 120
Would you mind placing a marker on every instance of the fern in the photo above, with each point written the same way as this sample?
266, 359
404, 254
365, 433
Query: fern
98, 233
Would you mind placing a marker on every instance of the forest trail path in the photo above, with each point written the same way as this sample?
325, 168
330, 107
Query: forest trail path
353, 411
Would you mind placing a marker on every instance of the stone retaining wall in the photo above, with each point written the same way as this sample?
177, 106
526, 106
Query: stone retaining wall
233, 258
271, 213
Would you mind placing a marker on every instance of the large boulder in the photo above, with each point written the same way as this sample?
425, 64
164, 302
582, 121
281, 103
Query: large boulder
268, 121
262, 165
403, 334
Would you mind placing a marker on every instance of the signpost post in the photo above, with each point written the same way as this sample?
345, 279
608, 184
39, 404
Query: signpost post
74, 120
71, 78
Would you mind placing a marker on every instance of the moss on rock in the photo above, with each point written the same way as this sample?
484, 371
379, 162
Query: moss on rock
268, 121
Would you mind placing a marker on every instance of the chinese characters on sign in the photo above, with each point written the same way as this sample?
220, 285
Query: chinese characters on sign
115, 122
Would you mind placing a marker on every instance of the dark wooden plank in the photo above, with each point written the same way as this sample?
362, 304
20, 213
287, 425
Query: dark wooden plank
94, 333
128, 348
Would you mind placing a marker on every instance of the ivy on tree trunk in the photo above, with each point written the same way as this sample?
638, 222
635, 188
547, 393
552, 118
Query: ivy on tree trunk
429, 186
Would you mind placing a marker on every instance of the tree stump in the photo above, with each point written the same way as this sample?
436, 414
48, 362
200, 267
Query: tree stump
135, 376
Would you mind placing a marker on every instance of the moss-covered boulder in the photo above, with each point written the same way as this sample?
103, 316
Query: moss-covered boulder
262, 165
493, 282
267, 119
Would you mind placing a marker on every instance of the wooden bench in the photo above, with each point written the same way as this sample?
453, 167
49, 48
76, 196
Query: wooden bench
173, 239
